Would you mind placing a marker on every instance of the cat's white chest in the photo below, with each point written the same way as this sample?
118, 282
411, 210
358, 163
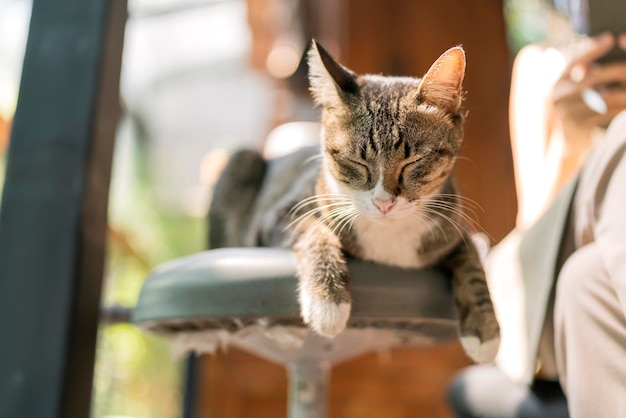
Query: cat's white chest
395, 243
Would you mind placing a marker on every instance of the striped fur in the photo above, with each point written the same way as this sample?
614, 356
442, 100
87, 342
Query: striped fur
385, 193
382, 191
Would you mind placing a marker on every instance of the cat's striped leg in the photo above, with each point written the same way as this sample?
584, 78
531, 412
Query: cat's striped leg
323, 292
479, 329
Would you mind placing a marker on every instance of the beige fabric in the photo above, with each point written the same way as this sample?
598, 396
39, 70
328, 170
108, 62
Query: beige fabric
590, 337
521, 273
590, 299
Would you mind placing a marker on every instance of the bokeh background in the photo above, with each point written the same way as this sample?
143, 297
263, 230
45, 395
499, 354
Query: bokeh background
201, 78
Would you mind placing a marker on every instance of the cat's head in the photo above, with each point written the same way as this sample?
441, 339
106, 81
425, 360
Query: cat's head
388, 141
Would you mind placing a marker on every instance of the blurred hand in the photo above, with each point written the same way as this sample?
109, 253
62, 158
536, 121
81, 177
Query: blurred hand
582, 73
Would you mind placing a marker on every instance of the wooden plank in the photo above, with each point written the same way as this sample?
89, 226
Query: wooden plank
54, 207
402, 383
404, 37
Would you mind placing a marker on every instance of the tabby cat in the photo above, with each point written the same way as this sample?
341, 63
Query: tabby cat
385, 192
382, 192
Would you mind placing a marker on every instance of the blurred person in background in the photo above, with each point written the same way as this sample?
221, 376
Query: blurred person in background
569, 325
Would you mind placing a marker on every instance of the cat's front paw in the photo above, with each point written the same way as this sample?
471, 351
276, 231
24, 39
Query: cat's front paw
325, 317
481, 352
480, 336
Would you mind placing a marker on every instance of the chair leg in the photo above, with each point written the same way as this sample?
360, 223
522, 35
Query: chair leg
190, 391
308, 388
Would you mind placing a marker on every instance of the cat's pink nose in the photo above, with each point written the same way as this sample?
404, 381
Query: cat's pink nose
384, 205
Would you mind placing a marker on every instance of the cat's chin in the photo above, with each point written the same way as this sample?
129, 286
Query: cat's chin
386, 218
378, 219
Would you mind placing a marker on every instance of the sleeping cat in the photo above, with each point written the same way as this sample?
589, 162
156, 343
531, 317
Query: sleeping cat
382, 192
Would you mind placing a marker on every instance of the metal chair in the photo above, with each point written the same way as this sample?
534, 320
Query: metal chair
246, 297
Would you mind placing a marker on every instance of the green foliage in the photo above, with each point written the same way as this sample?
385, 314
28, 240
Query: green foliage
136, 375
525, 21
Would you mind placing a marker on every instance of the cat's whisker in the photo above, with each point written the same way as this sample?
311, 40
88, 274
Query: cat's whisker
313, 158
314, 211
465, 199
459, 228
458, 212
316, 196
454, 209
340, 217
353, 221
349, 221
343, 221
323, 222
431, 219
319, 199
461, 158
322, 207
333, 216
329, 215
424, 216
307, 215
456, 206
320, 221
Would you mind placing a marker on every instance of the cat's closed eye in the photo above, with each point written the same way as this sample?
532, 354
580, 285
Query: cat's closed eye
354, 172
417, 168
415, 162
412, 164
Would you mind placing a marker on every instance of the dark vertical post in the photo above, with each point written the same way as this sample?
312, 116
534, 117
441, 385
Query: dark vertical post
54, 207
190, 394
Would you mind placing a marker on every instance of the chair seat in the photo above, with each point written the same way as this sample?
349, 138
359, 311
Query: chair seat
233, 288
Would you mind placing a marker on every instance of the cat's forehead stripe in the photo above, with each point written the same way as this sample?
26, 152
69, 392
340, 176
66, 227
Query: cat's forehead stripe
399, 140
363, 150
372, 126
383, 131
407, 149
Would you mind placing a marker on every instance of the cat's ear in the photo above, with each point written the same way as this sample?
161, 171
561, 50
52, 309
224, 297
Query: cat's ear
442, 84
331, 82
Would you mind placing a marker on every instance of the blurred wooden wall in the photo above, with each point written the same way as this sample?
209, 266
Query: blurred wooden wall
402, 384
404, 37
5, 129
399, 37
